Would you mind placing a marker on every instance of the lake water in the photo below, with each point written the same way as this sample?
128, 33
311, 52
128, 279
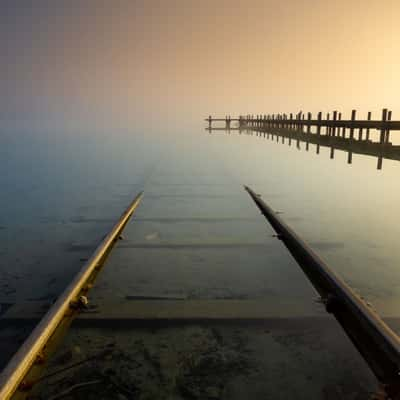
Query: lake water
197, 236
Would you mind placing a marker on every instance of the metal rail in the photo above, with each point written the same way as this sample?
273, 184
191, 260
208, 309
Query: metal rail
28, 354
376, 342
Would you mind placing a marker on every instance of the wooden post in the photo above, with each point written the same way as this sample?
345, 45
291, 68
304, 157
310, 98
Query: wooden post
328, 131
309, 123
360, 134
319, 123
334, 121
353, 118
369, 119
300, 130
383, 130
350, 157
299, 122
379, 164
382, 138
277, 126
319, 130
389, 118
343, 130
209, 122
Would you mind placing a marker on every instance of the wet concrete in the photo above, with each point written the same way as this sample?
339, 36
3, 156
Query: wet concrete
287, 359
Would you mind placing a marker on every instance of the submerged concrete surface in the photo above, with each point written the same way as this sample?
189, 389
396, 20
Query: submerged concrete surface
286, 359
197, 237
167, 310
291, 351
296, 352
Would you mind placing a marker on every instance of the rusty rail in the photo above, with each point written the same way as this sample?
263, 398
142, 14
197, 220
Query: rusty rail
377, 343
65, 308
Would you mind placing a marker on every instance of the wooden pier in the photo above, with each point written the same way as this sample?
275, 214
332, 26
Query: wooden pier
351, 135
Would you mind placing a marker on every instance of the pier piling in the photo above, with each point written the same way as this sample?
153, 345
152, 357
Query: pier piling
330, 132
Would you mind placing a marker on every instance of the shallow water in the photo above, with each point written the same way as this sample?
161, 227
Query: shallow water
197, 235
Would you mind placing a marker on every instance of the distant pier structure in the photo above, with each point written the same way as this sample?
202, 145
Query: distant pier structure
227, 121
352, 135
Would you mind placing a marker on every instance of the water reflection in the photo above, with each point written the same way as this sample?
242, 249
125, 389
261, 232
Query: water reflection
363, 146
198, 245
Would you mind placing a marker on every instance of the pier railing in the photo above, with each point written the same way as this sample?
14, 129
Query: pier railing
333, 123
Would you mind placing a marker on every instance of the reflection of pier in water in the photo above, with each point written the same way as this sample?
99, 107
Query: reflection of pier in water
337, 134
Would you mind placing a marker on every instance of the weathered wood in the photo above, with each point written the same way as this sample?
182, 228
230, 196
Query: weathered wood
383, 129
389, 117
334, 120
356, 124
369, 119
353, 118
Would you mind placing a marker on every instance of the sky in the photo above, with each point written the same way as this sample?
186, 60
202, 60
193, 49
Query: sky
170, 62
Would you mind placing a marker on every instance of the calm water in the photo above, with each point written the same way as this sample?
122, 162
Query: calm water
197, 235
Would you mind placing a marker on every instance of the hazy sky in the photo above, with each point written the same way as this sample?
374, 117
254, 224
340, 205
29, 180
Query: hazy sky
121, 60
